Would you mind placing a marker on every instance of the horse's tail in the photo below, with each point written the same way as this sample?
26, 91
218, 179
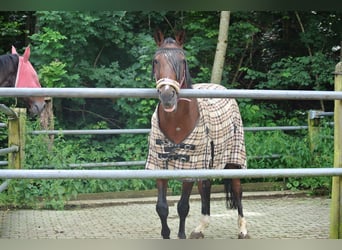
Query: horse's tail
231, 201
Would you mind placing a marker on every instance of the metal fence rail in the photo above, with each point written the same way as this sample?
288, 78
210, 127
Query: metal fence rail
144, 131
91, 132
152, 93
8, 111
107, 164
168, 174
10, 149
4, 185
136, 163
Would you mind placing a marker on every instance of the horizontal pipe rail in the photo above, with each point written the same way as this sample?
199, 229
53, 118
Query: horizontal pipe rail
314, 114
132, 163
7, 111
137, 163
254, 129
167, 174
327, 113
91, 132
142, 131
152, 93
11, 149
4, 185
107, 164
3, 163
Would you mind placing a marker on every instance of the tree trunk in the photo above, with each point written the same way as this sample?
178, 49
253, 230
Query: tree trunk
221, 49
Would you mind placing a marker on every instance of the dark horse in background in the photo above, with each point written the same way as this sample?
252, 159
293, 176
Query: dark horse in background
16, 71
195, 133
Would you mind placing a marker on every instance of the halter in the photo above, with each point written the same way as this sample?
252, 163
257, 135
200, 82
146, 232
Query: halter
167, 81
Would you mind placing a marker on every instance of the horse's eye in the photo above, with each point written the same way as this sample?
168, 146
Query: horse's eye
155, 61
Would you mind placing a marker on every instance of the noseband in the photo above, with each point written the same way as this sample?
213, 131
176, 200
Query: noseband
166, 81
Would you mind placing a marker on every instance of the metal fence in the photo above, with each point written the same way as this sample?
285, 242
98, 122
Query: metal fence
335, 172
152, 93
145, 131
14, 148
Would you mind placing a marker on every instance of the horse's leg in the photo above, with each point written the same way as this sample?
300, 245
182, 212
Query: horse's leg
162, 207
204, 188
242, 224
234, 197
183, 207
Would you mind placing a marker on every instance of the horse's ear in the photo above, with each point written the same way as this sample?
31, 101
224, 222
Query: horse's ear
14, 51
159, 37
27, 53
180, 37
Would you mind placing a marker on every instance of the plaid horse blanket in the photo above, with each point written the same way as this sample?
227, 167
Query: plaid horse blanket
217, 139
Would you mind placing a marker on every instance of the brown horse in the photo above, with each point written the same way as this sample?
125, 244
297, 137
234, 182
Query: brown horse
17, 71
196, 133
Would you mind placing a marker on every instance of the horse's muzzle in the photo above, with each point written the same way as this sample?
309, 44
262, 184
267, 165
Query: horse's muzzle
168, 90
168, 98
37, 107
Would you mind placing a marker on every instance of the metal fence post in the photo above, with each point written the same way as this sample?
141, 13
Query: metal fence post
16, 137
336, 196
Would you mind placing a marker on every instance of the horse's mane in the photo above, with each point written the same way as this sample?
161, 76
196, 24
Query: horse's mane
8, 69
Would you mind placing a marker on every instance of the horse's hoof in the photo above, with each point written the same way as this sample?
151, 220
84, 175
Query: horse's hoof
243, 236
196, 235
182, 236
165, 233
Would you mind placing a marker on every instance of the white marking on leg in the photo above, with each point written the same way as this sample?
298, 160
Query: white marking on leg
242, 224
204, 223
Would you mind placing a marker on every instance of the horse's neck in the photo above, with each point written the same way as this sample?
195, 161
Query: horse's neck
7, 80
178, 125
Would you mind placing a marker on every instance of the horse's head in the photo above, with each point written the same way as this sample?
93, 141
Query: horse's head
170, 69
27, 78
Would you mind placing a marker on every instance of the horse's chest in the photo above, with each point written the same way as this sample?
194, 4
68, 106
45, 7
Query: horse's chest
177, 132
179, 125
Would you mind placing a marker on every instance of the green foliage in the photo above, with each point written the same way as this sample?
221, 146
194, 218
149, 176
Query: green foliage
47, 44
308, 72
52, 74
254, 115
13, 29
